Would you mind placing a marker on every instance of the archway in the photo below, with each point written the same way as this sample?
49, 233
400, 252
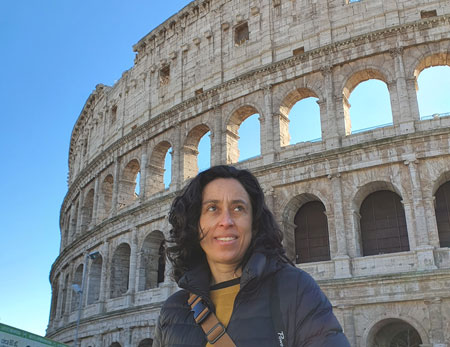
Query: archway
394, 332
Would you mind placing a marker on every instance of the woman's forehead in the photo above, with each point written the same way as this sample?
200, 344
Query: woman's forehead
225, 188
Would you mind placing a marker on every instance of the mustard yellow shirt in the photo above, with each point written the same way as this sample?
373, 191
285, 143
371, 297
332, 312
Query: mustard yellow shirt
223, 299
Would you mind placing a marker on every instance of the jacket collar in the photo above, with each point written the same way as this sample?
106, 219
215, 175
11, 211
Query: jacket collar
258, 267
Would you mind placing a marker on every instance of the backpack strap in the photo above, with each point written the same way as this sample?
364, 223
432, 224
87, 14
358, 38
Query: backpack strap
277, 318
215, 332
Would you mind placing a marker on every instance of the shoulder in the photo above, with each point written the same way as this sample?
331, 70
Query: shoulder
300, 294
173, 305
176, 325
295, 277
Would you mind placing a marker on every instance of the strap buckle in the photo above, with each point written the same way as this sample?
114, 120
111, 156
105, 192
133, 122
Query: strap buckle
215, 335
200, 310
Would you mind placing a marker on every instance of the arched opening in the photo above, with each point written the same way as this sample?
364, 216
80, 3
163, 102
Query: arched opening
146, 343
127, 187
433, 89
95, 275
304, 121
73, 222
137, 186
367, 93
65, 230
152, 261
65, 294
76, 286
160, 168
394, 333
442, 210
370, 106
55, 291
243, 135
249, 138
301, 111
204, 152
168, 169
191, 153
120, 270
311, 233
383, 224
106, 197
86, 211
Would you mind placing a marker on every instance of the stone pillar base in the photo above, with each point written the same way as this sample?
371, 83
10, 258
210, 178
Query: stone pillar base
425, 258
342, 267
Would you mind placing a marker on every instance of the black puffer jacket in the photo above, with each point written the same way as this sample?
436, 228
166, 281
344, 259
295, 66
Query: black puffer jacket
307, 315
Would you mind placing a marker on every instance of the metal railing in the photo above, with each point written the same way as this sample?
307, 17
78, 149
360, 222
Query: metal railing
371, 128
435, 116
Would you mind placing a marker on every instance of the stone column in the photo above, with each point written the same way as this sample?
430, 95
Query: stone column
98, 340
436, 326
332, 122
424, 250
355, 250
59, 310
66, 308
79, 213
268, 131
115, 195
430, 215
411, 88
216, 136
232, 149
94, 219
177, 161
281, 131
133, 267
410, 223
86, 278
348, 322
404, 114
142, 185
126, 337
72, 224
341, 259
104, 282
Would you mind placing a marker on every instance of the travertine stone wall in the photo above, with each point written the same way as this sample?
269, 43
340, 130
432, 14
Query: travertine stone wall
201, 71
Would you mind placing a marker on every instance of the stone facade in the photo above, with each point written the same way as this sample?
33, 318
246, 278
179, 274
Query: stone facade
208, 68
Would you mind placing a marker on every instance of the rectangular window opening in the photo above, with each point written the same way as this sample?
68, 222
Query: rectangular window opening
298, 51
113, 114
241, 34
428, 14
164, 75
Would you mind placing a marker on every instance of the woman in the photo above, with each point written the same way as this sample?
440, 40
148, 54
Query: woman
228, 259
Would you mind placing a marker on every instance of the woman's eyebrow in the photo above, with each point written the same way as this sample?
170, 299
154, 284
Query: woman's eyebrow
236, 201
210, 201
239, 201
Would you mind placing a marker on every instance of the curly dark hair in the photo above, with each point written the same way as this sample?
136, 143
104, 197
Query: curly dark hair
186, 253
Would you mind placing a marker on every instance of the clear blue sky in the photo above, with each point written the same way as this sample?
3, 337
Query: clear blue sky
52, 54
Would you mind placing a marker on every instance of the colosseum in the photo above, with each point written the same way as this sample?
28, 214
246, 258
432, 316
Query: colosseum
366, 213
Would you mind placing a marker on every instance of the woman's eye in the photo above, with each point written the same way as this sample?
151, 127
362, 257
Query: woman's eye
239, 208
211, 208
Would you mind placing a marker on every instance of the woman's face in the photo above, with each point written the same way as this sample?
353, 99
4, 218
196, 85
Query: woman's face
225, 222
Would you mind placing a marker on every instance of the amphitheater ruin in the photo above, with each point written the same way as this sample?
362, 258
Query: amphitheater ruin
366, 213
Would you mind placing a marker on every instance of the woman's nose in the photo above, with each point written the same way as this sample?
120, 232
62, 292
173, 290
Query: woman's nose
225, 218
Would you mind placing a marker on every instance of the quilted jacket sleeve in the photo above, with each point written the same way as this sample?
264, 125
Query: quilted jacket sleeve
310, 320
